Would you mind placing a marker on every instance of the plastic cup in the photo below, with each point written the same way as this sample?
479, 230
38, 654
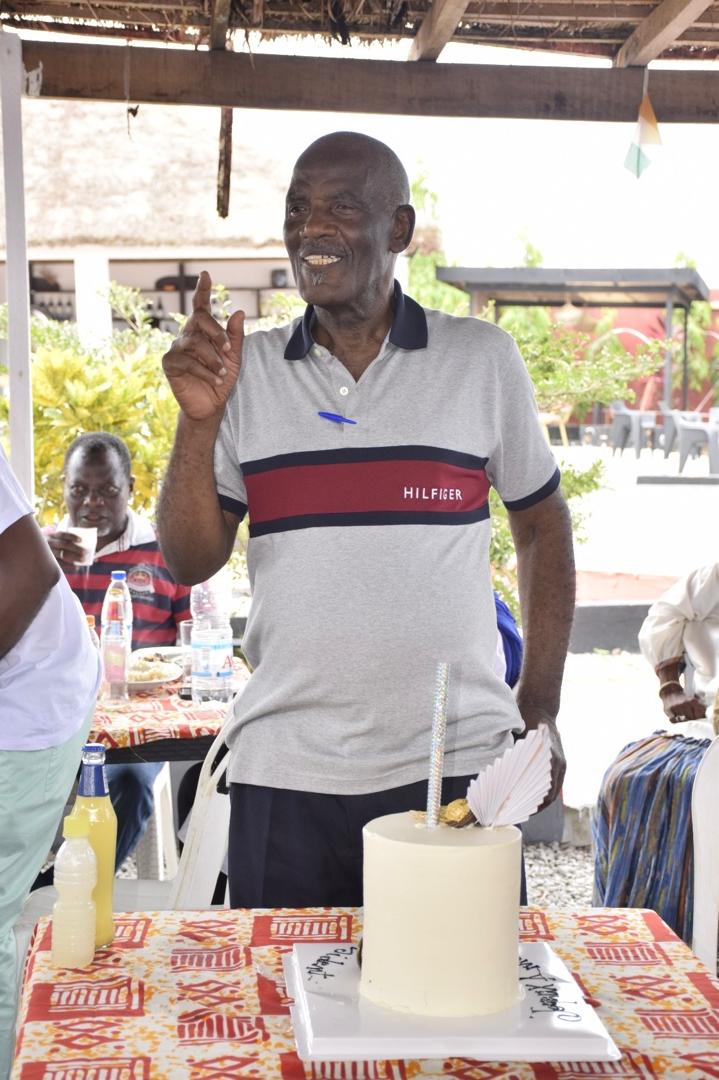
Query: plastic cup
186, 646
88, 539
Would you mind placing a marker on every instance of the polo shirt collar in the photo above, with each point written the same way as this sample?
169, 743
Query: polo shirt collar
408, 330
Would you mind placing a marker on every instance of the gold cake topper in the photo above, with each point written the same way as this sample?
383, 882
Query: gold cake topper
457, 814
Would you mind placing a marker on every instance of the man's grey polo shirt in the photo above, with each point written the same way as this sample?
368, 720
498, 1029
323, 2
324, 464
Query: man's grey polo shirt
368, 553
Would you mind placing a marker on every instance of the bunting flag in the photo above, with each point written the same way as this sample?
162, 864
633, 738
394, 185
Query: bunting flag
646, 134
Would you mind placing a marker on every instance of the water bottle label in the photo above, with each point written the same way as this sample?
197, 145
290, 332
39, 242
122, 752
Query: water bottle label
92, 781
114, 657
212, 660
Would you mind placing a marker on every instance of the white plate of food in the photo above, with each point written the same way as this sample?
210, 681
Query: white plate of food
149, 672
169, 653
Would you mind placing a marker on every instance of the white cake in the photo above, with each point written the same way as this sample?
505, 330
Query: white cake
441, 917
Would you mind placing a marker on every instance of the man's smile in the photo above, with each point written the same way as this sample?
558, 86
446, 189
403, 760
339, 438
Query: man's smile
320, 260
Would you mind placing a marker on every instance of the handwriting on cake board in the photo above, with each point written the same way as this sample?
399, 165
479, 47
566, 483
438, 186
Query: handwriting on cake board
544, 989
322, 966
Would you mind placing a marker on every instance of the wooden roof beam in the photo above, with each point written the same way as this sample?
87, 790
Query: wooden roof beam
437, 28
263, 81
219, 23
656, 33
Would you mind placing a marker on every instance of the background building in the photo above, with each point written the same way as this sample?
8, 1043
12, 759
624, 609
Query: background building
126, 213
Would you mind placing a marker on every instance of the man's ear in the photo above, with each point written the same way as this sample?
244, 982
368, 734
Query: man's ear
131, 483
402, 228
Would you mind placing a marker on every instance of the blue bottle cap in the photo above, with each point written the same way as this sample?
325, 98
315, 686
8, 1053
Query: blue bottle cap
118, 575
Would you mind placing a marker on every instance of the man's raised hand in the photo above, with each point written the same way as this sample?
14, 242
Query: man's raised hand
203, 363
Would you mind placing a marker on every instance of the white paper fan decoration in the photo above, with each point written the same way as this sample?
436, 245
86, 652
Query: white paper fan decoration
513, 786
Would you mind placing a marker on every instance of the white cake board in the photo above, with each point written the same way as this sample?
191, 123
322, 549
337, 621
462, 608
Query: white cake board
331, 1022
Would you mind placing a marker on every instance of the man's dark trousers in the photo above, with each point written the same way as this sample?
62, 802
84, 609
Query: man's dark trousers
302, 849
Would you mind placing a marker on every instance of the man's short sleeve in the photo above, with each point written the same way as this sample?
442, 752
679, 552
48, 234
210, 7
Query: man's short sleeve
13, 501
228, 472
521, 467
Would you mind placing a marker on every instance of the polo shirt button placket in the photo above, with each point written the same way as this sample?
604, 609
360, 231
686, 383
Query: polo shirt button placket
346, 405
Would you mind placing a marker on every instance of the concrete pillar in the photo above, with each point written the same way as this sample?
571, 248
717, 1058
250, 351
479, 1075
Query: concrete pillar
92, 309
18, 285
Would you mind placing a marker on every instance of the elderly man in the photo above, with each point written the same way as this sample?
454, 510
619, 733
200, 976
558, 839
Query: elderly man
97, 489
683, 624
362, 439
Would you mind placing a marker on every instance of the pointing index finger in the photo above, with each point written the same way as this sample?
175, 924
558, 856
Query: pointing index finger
202, 294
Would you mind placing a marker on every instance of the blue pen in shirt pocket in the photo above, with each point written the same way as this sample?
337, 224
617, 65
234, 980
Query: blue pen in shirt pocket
336, 418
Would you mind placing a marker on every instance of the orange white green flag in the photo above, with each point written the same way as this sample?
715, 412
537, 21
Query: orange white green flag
646, 134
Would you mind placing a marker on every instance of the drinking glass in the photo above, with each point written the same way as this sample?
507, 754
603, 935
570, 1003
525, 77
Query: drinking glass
186, 646
88, 541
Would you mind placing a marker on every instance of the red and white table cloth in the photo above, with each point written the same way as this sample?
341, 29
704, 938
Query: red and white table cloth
201, 996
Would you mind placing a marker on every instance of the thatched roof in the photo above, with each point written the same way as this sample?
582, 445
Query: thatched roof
593, 27
94, 174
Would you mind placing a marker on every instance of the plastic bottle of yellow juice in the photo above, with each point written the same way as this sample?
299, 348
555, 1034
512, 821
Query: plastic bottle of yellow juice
93, 799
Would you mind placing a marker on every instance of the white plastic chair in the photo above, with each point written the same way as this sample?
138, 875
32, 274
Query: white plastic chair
192, 887
156, 852
695, 433
705, 829
629, 427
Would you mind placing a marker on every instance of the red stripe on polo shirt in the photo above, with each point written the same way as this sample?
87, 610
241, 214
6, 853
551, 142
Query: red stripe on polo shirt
158, 602
365, 487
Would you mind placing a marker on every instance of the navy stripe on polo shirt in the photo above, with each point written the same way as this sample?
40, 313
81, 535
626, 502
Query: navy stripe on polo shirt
158, 602
369, 547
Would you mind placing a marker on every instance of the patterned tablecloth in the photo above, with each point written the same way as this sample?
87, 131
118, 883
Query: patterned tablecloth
200, 995
152, 715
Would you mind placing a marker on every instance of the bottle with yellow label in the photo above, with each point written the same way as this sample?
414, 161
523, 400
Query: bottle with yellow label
93, 799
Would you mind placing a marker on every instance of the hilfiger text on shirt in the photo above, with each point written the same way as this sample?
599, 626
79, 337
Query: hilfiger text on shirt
433, 494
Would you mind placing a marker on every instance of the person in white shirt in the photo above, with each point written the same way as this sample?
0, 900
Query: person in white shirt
683, 626
49, 676
642, 822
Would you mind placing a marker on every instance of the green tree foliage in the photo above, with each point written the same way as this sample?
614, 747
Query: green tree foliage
571, 367
119, 388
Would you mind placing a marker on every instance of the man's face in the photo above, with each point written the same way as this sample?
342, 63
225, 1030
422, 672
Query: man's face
340, 232
96, 493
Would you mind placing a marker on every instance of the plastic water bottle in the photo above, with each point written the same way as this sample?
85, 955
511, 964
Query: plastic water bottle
116, 636
211, 643
93, 802
73, 915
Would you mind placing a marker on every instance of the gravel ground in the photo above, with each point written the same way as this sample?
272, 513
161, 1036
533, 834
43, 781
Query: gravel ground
559, 875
